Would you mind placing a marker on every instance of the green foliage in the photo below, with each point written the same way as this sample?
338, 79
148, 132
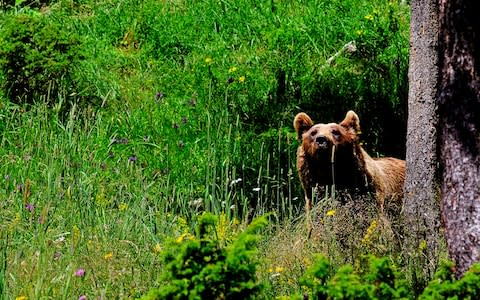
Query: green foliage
316, 278
445, 285
382, 281
379, 282
202, 268
37, 57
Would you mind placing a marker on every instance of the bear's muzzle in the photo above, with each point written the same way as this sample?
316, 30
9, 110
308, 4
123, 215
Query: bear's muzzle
322, 142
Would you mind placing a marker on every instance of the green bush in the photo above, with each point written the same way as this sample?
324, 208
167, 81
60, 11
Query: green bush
379, 282
382, 281
201, 267
445, 285
37, 58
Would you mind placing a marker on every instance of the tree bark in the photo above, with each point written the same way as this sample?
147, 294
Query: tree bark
459, 129
421, 210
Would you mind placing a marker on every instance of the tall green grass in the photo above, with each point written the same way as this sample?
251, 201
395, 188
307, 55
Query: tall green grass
77, 191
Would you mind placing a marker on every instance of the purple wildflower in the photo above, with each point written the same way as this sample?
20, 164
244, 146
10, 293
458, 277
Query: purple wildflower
30, 207
80, 272
82, 297
132, 159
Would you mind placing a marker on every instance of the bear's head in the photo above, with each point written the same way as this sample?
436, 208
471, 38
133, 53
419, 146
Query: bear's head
318, 139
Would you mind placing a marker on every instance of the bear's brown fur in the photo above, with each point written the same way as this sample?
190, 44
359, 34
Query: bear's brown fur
332, 154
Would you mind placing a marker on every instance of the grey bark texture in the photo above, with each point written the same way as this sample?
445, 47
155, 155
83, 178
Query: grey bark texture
459, 129
421, 210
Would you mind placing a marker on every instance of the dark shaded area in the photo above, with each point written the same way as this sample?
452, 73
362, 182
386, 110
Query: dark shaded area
9, 4
383, 124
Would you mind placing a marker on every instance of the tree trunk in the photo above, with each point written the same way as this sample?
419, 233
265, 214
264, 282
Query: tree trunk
459, 129
421, 204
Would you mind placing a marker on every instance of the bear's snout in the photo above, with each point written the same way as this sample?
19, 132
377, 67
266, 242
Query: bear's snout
322, 141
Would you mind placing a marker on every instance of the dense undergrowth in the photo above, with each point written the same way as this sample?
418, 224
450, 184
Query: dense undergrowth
123, 121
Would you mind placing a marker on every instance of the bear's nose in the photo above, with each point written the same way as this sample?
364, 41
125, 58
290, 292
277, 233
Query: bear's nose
321, 141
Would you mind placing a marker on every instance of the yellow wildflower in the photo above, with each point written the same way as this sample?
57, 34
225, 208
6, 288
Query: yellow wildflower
232, 70
108, 256
183, 224
15, 221
331, 213
122, 206
423, 245
184, 236
157, 248
75, 234
180, 239
208, 60
21, 298
279, 269
369, 17
359, 32
370, 231
241, 79
223, 226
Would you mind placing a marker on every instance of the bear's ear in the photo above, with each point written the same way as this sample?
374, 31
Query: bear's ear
302, 123
351, 122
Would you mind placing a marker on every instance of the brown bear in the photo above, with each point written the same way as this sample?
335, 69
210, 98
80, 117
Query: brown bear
331, 154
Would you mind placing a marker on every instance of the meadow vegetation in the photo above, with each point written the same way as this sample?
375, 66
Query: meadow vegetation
123, 122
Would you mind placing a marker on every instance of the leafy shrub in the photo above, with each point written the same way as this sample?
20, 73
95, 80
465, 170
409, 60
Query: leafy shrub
379, 282
37, 57
382, 281
201, 267
446, 286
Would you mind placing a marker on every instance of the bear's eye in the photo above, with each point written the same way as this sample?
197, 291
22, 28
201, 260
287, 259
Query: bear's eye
336, 134
313, 133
